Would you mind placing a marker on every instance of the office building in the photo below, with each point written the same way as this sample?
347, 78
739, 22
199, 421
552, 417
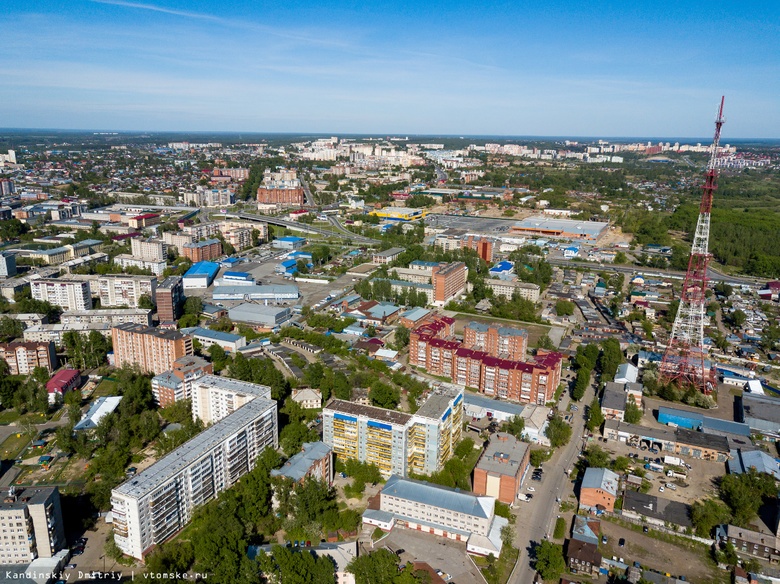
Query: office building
151, 507
315, 461
23, 357
495, 340
153, 250
170, 299
214, 398
482, 245
281, 188
398, 443
67, 294
112, 316
200, 251
449, 281
156, 267
30, 525
7, 264
508, 288
501, 467
176, 384
442, 511
152, 350
123, 290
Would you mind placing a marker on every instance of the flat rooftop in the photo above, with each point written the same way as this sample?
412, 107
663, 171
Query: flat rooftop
542, 223
504, 455
381, 414
193, 450
27, 496
436, 405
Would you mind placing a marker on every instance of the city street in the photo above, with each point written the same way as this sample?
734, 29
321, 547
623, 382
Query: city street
536, 518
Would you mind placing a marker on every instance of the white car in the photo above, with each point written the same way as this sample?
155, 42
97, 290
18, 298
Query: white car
531, 489
660, 489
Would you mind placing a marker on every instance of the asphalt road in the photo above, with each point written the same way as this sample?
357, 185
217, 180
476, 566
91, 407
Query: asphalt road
536, 518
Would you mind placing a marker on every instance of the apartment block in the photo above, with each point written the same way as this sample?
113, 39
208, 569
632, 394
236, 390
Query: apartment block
7, 264
482, 245
508, 288
159, 502
30, 525
23, 357
202, 230
112, 316
240, 237
498, 341
153, 350
442, 511
281, 188
156, 267
177, 240
398, 443
153, 250
170, 299
122, 290
448, 282
214, 398
387, 256
67, 294
176, 384
500, 469
202, 251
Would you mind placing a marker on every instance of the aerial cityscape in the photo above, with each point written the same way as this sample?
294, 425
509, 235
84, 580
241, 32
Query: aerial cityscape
285, 297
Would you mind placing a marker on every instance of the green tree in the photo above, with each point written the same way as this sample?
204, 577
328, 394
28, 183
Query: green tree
377, 567
384, 395
581, 384
515, 426
10, 329
633, 414
706, 514
564, 308
611, 357
193, 305
595, 415
145, 301
549, 561
744, 493
401, 337
737, 318
297, 566
558, 432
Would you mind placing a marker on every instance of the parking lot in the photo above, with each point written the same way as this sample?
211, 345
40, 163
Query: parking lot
440, 553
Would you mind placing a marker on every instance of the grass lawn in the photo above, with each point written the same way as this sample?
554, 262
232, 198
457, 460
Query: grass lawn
535, 330
501, 569
105, 388
8, 416
14, 445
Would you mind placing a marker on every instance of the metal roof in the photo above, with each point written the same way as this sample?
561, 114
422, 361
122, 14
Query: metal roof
297, 467
202, 269
600, 478
437, 496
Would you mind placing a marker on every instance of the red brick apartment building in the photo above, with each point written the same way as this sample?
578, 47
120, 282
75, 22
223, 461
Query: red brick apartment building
483, 246
499, 341
170, 299
523, 381
23, 357
202, 251
153, 350
449, 281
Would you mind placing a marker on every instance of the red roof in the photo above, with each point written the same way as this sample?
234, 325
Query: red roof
146, 216
61, 380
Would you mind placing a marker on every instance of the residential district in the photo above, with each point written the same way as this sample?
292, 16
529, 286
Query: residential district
381, 360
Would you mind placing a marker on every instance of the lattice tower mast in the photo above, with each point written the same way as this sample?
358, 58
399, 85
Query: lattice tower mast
684, 358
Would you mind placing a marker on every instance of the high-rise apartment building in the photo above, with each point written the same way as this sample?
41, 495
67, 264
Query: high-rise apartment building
7, 264
215, 398
151, 507
202, 251
498, 341
176, 240
153, 250
152, 350
112, 316
448, 282
170, 299
123, 290
398, 443
23, 357
176, 384
67, 294
202, 230
281, 188
30, 525
240, 237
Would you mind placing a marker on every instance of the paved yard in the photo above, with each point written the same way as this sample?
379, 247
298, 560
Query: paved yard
443, 554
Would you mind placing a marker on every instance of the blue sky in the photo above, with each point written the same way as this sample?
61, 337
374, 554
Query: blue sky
586, 68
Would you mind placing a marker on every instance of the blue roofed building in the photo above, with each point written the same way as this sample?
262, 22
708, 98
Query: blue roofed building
502, 268
743, 460
287, 267
429, 508
200, 275
586, 529
289, 243
207, 337
315, 460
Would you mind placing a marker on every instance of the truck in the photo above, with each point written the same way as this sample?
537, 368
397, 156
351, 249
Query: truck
676, 475
674, 461
654, 467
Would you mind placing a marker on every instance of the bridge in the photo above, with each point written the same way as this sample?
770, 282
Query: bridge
342, 232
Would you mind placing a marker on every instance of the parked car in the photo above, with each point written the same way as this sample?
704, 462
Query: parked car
531, 489
70, 566
621, 542
660, 489
645, 529
604, 539
398, 552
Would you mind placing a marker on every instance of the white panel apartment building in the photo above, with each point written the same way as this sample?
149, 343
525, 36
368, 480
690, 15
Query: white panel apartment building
67, 294
128, 261
156, 504
152, 250
30, 525
214, 398
112, 316
123, 290
508, 288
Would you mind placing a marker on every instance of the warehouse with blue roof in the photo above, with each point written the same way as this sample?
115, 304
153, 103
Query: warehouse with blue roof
200, 275
290, 243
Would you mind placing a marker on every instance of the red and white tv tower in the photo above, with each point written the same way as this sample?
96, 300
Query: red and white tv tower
685, 355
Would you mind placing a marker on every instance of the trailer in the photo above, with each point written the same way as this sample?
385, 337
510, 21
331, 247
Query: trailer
674, 461
654, 467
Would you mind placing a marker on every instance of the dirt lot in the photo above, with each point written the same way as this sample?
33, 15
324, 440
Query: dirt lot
724, 411
692, 562
535, 331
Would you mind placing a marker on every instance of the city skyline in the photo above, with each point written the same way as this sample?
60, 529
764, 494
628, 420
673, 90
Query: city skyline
503, 69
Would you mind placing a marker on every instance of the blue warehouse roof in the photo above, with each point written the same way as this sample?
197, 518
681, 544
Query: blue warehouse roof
202, 269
